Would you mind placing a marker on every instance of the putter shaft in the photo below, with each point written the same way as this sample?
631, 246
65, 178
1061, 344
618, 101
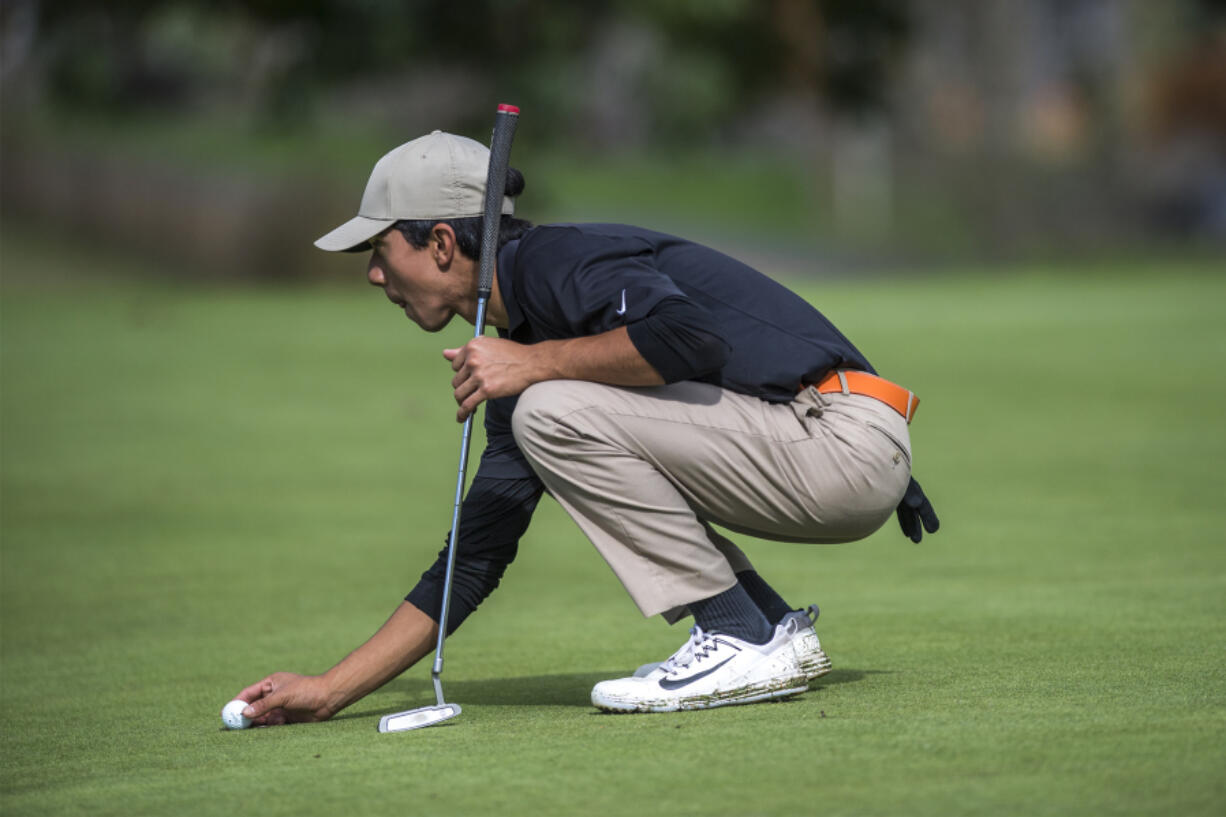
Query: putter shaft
454, 538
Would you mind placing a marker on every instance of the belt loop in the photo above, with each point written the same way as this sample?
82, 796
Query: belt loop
911, 402
843, 381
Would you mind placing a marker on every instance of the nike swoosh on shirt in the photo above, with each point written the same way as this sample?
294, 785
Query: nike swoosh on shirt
681, 682
622, 311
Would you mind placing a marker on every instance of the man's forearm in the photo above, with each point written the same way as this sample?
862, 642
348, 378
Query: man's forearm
610, 357
400, 643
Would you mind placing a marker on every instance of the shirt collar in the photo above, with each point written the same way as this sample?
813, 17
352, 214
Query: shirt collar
506, 285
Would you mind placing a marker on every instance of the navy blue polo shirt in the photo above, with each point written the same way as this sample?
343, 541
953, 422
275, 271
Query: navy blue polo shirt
692, 312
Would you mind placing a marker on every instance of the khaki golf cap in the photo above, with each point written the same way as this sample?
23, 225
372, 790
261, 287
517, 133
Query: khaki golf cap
440, 175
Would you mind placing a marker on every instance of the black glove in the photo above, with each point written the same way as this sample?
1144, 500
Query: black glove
915, 510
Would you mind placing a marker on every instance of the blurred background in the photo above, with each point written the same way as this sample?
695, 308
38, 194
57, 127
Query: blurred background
807, 135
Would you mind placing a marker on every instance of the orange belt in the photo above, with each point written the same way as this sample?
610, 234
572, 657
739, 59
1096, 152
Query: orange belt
870, 385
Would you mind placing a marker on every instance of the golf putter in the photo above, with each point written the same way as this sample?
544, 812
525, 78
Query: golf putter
495, 189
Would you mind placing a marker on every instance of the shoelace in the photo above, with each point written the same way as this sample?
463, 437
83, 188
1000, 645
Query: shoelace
684, 656
697, 648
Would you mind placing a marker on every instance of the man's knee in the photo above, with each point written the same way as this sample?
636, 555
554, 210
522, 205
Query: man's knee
538, 408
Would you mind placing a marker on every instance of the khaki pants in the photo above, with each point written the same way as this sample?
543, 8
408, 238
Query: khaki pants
646, 472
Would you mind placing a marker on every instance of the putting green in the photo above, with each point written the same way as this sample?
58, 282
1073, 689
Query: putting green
203, 484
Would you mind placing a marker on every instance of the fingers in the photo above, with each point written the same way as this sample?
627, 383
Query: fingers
277, 717
468, 408
462, 377
272, 711
909, 523
262, 706
468, 393
923, 508
467, 388
464, 361
460, 355
256, 690
907, 518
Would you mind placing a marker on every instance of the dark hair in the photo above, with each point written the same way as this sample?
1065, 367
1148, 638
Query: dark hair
468, 230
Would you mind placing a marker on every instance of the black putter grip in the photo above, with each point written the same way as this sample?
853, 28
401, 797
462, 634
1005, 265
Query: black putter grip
495, 189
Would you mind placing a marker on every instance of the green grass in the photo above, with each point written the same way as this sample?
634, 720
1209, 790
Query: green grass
203, 485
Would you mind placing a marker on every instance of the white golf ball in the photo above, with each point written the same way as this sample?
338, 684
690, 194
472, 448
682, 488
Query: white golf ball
232, 715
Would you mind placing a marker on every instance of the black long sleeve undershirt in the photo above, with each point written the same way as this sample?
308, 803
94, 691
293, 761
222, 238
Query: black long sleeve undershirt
495, 514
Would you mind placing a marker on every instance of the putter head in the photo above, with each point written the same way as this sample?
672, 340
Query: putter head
417, 718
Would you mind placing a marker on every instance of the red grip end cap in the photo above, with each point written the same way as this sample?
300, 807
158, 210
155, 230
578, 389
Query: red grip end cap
504, 108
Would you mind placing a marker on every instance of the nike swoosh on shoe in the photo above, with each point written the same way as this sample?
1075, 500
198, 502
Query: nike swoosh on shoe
678, 683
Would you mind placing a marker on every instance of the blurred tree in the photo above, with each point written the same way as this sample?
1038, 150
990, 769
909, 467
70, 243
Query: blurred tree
96, 60
963, 98
1185, 156
696, 66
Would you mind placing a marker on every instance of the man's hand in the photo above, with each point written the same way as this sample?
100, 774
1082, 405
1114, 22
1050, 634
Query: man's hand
915, 513
286, 697
487, 368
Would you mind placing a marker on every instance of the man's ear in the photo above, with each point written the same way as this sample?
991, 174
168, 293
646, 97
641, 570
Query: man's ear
442, 245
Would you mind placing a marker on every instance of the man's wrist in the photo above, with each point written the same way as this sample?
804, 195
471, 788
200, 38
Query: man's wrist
548, 361
335, 696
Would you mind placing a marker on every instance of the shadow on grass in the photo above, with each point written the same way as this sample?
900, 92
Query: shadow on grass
845, 676
561, 689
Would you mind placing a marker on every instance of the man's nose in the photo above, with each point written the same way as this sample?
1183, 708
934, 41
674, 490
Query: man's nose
375, 275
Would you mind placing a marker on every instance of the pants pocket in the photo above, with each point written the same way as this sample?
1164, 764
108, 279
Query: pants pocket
903, 448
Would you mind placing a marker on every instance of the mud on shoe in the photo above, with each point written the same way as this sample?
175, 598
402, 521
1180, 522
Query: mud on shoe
801, 633
710, 670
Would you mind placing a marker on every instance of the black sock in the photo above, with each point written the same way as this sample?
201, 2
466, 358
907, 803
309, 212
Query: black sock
769, 602
733, 613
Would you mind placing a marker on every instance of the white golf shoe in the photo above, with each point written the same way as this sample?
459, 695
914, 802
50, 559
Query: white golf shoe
710, 670
800, 631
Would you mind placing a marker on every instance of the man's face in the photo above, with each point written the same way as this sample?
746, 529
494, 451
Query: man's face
411, 279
